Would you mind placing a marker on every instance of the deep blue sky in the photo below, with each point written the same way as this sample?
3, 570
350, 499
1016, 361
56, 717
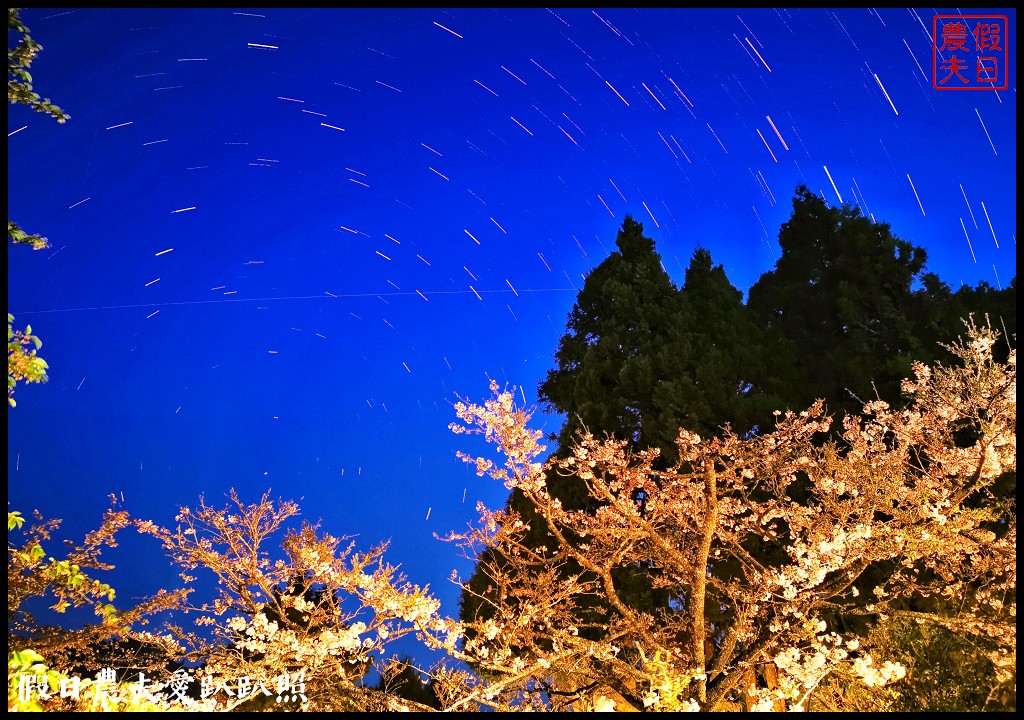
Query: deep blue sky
369, 211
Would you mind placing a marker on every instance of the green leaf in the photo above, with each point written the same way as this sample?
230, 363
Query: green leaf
14, 520
25, 657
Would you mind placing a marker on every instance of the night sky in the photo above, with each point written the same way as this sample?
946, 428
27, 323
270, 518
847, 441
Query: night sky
284, 241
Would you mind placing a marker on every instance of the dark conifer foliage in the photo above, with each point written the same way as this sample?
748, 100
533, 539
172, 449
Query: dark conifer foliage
852, 306
843, 296
616, 353
726, 367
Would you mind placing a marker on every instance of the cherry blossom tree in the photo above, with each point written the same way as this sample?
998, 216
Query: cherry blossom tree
293, 602
779, 550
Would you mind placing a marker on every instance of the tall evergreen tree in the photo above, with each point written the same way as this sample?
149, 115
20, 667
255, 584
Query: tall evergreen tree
727, 378
616, 354
843, 296
852, 306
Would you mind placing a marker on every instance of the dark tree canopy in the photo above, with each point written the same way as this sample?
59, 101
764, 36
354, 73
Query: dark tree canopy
724, 356
615, 348
843, 296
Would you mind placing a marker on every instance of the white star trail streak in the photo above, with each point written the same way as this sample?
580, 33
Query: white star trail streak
877, 80
448, 29
833, 184
784, 145
986, 131
617, 93
717, 138
650, 213
968, 206
766, 145
969, 245
758, 54
915, 194
992, 229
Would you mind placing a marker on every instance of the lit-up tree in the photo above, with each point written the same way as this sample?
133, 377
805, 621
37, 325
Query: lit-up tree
906, 489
